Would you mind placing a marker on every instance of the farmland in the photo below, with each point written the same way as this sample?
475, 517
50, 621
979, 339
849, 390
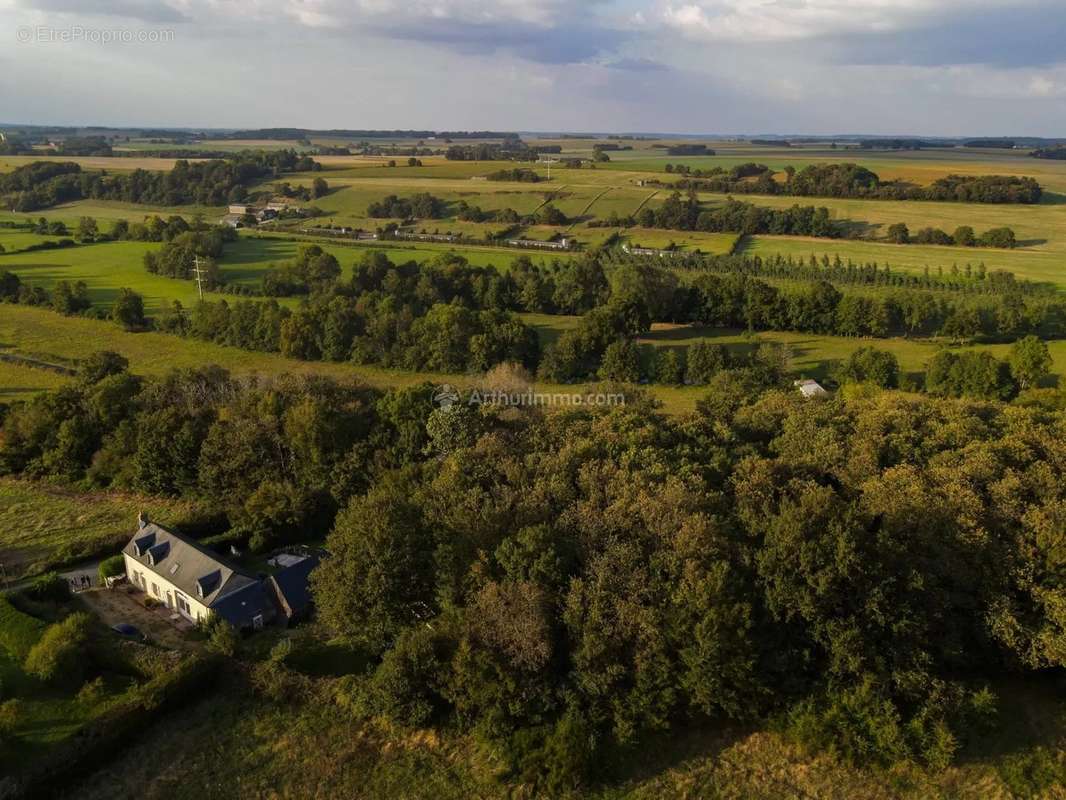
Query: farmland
605, 476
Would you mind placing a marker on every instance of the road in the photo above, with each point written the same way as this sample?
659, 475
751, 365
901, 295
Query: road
86, 570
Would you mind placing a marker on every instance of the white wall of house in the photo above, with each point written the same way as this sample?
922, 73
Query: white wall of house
155, 585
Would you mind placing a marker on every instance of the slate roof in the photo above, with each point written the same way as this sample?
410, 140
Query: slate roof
185, 564
239, 608
292, 585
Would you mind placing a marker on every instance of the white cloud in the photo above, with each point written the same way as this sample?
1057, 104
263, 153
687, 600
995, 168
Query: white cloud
790, 20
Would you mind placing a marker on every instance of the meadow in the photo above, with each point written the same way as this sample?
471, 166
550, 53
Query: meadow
43, 526
583, 194
311, 749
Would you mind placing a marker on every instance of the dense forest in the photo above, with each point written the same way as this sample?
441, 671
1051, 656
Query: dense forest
210, 183
854, 181
570, 586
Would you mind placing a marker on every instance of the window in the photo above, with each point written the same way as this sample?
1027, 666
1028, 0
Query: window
174, 568
155, 590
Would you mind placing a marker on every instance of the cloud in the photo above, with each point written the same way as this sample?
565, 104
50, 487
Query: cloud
145, 10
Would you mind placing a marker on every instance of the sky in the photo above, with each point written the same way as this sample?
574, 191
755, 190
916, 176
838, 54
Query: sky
891, 67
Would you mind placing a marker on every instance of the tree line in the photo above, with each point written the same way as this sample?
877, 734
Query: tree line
43, 184
855, 181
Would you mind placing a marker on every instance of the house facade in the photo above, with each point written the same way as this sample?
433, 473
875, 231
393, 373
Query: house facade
192, 580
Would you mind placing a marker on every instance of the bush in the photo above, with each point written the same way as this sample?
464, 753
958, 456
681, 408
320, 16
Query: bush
870, 365
404, 687
1031, 774
110, 567
49, 587
222, 638
58, 657
858, 724
10, 712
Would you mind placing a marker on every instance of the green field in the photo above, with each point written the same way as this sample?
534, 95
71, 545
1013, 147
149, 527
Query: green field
110, 266
42, 526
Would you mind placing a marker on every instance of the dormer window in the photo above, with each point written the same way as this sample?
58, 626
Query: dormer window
143, 545
207, 584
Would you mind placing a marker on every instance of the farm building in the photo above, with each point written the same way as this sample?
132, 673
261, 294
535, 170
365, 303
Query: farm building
192, 580
241, 210
649, 251
562, 244
426, 237
810, 388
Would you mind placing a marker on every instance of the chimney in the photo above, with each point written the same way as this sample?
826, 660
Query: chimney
142, 519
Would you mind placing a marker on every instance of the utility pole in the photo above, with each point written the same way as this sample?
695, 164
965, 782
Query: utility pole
199, 276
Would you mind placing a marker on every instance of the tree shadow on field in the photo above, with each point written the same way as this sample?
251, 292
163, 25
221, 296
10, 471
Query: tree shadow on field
657, 754
1031, 713
1052, 199
1030, 242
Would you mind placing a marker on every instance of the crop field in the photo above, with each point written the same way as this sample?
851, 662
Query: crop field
110, 163
583, 195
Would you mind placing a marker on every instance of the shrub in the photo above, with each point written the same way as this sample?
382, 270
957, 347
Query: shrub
1031, 774
58, 657
49, 587
10, 711
404, 687
222, 638
110, 567
868, 364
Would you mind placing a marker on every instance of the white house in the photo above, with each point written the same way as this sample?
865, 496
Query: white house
192, 580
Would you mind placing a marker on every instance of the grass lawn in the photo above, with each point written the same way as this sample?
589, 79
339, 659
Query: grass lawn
43, 525
19, 381
713, 243
18, 632
106, 268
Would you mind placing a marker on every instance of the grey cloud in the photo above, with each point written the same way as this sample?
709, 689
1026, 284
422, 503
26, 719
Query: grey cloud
566, 44
144, 10
1020, 37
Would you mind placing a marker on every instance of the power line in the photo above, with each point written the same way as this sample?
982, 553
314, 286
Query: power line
199, 275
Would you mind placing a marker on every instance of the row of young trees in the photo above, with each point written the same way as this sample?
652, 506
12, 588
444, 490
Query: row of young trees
855, 181
967, 279
209, 183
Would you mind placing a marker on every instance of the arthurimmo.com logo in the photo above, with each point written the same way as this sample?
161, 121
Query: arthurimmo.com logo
447, 397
